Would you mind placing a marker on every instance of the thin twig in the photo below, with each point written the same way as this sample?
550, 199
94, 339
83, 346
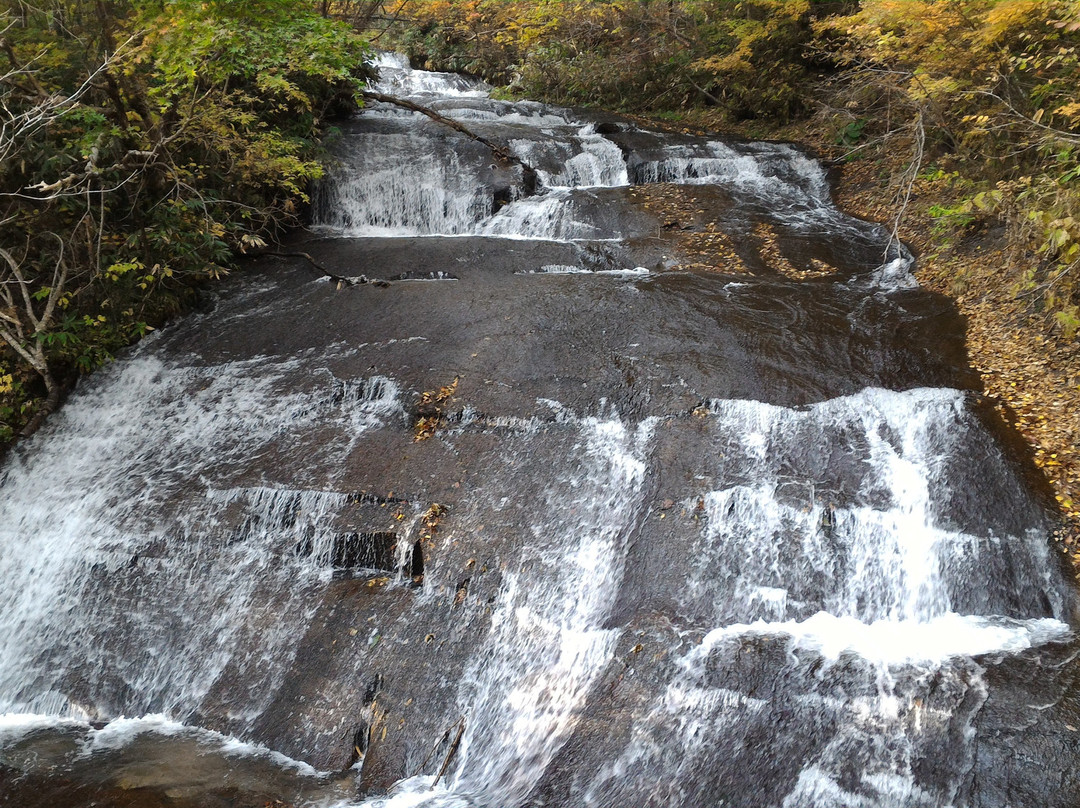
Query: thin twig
916, 164
1069, 137
1048, 284
436, 746
450, 753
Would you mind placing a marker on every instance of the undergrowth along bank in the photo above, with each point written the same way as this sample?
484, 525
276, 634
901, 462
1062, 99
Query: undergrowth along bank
144, 144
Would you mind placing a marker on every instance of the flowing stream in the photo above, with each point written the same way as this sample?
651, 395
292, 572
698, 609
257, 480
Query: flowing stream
743, 534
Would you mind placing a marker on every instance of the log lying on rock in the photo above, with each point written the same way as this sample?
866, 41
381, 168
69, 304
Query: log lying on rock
340, 280
530, 175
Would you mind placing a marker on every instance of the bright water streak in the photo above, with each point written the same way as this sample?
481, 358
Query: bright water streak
80, 510
547, 641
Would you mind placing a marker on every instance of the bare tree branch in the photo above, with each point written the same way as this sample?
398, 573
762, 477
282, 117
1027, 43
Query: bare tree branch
911, 175
531, 177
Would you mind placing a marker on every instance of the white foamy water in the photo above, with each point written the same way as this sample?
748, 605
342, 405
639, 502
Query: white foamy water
403, 184
886, 665
547, 642
16, 726
154, 756
410, 184
869, 722
177, 597
552, 216
519, 116
896, 274
898, 642
862, 536
123, 732
767, 172
588, 160
396, 77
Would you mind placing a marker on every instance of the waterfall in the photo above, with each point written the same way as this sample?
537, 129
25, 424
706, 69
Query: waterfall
83, 533
548, 643
590, 525
402, 175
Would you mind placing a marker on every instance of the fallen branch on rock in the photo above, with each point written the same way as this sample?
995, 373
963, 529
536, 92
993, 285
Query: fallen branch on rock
341, 280
501, 152
450, 753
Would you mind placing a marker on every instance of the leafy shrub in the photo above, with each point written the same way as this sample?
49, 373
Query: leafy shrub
143, 143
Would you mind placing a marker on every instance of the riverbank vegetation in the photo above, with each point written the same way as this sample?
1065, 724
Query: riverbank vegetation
146, 143
143, 144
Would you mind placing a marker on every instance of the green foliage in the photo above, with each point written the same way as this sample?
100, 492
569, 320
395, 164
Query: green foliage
145, 142
1068, 318
851, 133
754, 59
949, 218
993, 86
745, 57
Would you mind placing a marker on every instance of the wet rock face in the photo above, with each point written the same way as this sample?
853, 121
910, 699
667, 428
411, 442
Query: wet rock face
557, 513
366, 551
150, 763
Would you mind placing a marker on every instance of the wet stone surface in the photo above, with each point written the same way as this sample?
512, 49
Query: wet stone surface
573, 510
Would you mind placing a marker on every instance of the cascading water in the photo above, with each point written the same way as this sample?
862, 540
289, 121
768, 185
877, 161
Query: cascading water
653, 535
